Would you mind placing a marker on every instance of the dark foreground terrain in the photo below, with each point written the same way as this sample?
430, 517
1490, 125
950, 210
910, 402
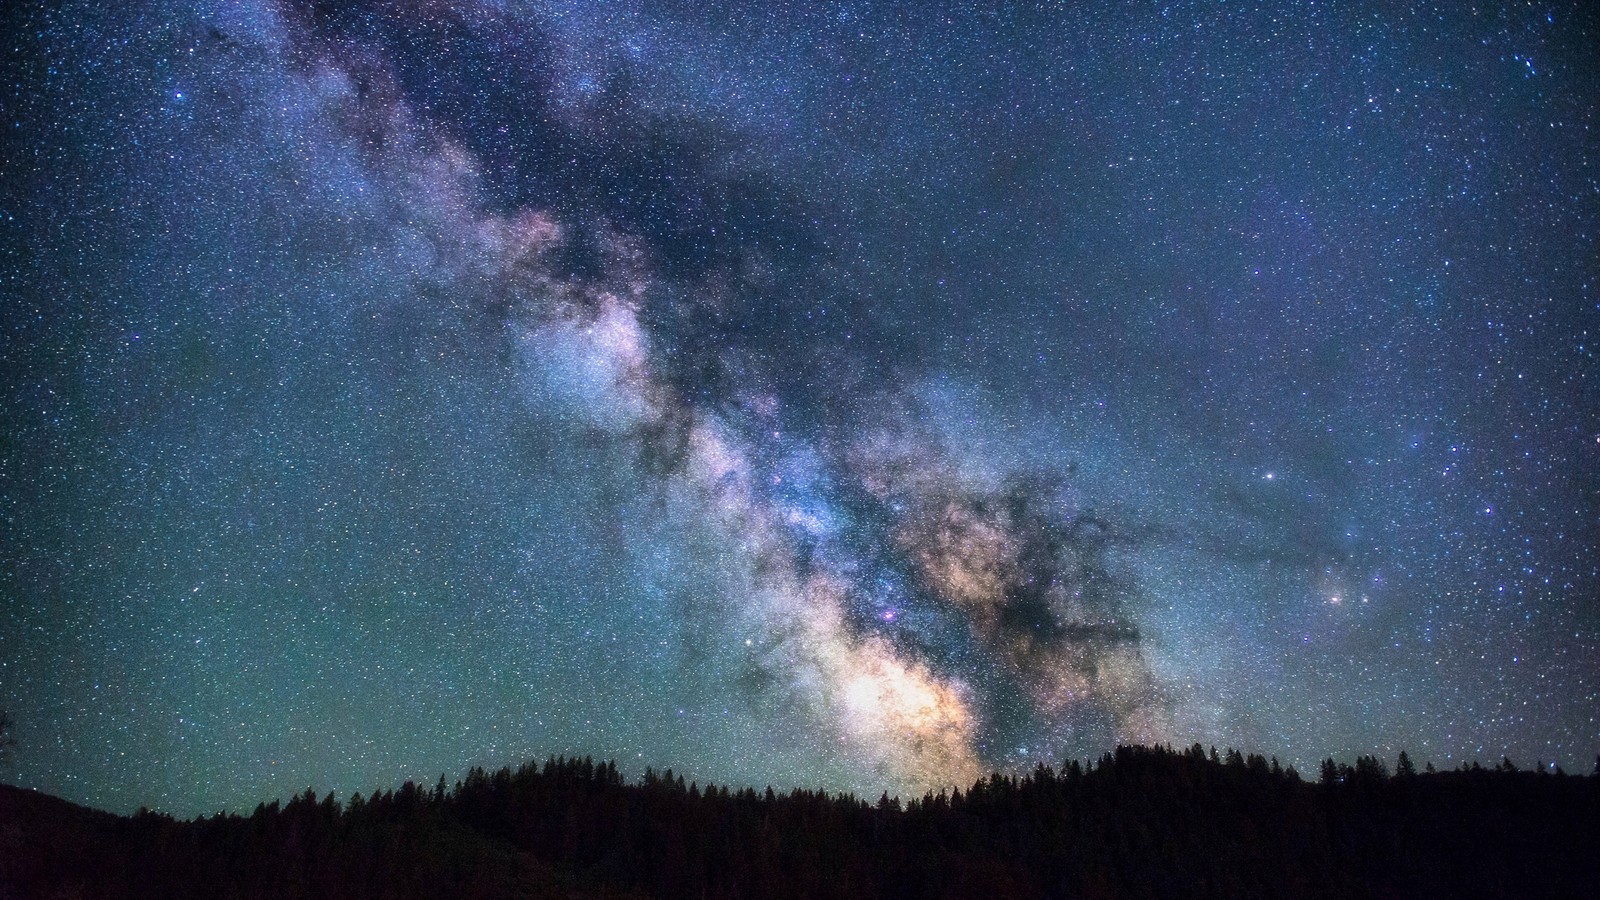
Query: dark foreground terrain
1143, 822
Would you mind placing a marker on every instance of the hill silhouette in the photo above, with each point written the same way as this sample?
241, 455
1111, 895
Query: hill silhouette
1139, 822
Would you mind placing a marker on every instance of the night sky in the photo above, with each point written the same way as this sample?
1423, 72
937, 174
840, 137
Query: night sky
857, 396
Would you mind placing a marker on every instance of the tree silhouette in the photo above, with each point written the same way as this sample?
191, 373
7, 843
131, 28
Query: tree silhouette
1329, 772
1403, 768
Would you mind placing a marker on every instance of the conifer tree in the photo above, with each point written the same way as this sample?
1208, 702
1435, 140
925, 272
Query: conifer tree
1403, 767
1330, 771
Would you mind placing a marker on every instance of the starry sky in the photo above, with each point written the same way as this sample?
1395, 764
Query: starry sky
854, 395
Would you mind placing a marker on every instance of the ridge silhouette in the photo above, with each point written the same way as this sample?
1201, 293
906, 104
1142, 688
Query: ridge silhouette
1139, 821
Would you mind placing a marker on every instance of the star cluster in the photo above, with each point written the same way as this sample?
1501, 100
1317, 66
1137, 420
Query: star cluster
856, 395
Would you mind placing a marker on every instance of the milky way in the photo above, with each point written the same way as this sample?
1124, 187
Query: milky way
854, 396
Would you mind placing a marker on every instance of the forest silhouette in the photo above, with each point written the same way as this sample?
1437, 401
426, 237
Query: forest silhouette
1139, 822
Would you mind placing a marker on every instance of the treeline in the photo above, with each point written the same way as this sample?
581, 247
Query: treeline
1139, 822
